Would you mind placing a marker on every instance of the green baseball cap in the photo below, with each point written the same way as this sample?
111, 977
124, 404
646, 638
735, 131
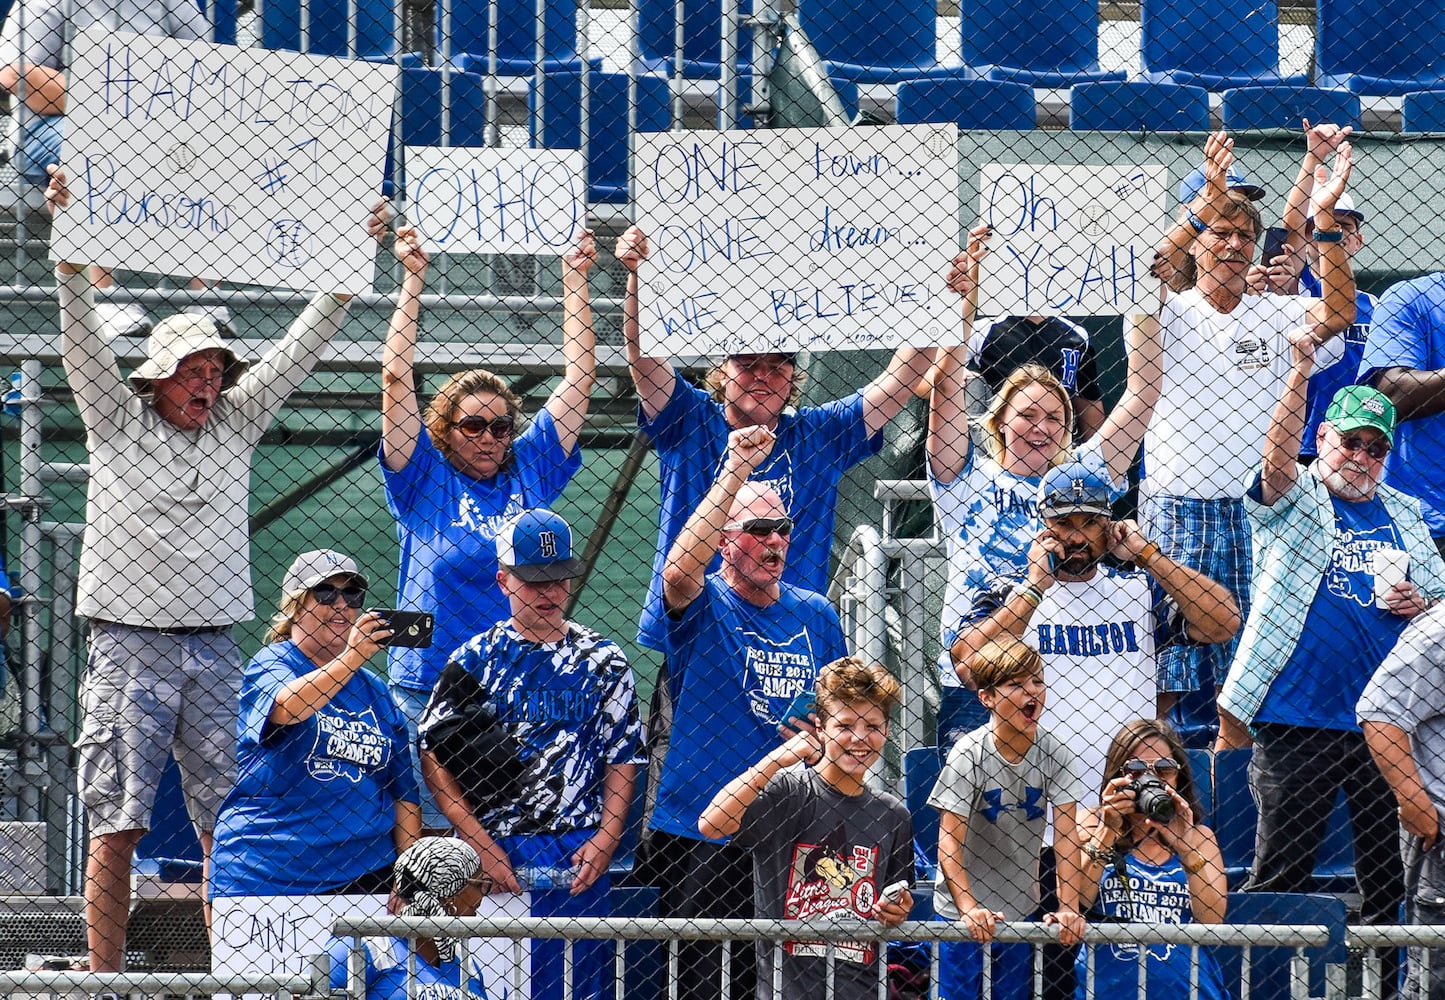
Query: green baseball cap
1358, 406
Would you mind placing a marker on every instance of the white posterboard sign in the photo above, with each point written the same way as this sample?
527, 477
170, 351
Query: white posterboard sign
202, 160
1071, 240
824, 239
279, 935
493, 200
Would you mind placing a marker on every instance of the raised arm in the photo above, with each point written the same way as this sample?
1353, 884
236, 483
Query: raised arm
654, 378
723, 816
1320, 141
1123, 430
887, 394
304, 696
1334, 311
687, 561
400, 410
1281, 441
1015, 607
568, 404
1209, 609
1203, 210
948, 434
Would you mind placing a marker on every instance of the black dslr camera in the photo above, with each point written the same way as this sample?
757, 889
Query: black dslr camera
1152, 798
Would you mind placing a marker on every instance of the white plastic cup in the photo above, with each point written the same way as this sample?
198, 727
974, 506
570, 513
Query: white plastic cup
1390, 567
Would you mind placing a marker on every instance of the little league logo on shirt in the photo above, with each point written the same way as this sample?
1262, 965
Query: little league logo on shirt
1351, 574
776, 672
830, 883
1146, 901
470, 516
348, 745
779, 475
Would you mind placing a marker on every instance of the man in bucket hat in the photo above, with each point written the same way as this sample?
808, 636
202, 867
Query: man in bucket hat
564, 698
165, 568
1326, 612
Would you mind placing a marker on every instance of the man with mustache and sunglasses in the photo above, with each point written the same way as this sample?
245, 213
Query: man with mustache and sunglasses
1320, 625
742, 645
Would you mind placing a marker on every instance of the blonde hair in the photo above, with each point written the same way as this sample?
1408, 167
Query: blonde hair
443, 407
1000, 661
281, 622
1018, 380
849, 680
716, 378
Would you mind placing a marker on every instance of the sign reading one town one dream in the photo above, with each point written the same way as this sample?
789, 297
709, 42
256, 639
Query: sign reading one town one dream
1074, 240
471, 200
203, 160
825, 239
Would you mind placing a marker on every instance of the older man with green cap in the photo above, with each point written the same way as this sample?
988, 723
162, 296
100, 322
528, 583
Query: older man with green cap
1320, 625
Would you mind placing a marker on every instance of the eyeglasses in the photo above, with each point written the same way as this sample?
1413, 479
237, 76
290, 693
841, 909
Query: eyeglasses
326, 593
1376, 449
476, 426
1244, 236
1163, 767
762, 527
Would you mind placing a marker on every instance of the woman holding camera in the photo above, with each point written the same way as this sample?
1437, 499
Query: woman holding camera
1149, 861
324, 797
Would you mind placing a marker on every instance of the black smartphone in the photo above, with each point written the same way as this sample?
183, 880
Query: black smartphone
412, 629
1274, 240
1053, 563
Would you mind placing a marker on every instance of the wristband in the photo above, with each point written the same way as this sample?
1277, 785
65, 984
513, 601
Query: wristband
1030, 593
1147, 554
1329, 235
1195, 222
1198, 865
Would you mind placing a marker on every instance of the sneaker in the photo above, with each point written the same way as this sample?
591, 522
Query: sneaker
123, 319
222, 317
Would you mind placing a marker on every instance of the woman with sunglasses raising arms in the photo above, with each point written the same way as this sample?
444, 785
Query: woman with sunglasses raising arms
455, 473
325, 797
1149, 861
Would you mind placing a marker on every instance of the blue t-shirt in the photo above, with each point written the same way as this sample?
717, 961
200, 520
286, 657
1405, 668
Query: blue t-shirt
1345, 636
1325, 383
386, 960
448, 524
734, 670
1408, 331
571, 706
815, 446
1156, 894
314, 803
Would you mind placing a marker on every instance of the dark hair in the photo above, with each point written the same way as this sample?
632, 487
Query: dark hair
849, 681
1002, 660
1122, 748
443, 407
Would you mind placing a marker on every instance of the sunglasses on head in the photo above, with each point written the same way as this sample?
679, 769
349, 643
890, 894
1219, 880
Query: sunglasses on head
762, 527
1163, 767
326, 593
1376, 449
476, 426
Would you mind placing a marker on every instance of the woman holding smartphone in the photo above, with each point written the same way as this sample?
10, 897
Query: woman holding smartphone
324, 798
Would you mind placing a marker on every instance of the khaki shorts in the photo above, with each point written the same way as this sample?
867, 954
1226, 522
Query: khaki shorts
146, 695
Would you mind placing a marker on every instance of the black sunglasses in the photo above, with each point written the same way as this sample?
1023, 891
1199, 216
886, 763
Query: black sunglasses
762, 527
1137, 767
475, 426
1376, 449
326, 593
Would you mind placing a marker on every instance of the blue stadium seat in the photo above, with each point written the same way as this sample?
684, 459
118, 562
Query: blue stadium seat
1214, 44
422, 103
1137, 105
1379, 49
223, 20
1235, 815
701, 36
1269, 973
1287, 107
328, 26
980, 104
170, 848
921, 767
1423, 111
559, 124
517, 44
1054, 43
1201, 767
858, 48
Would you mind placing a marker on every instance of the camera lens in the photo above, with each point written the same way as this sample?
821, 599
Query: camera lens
1152, 799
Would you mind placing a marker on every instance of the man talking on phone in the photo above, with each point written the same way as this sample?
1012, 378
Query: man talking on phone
552, 706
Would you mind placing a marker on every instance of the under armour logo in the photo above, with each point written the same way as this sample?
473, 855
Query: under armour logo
1032, 804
